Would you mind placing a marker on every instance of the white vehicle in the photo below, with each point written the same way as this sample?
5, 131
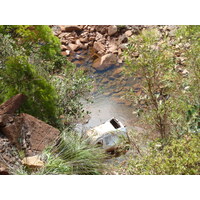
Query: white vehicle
107, 134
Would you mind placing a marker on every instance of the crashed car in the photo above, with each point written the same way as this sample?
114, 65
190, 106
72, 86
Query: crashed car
107, 134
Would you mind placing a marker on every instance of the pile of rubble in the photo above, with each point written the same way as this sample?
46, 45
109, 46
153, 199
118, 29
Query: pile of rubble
21, 133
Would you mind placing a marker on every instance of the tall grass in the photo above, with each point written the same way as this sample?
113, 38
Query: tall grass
72, 155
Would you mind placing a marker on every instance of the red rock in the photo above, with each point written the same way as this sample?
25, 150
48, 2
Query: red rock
98, 46
41, 134
70, 28
84, 40
99, 36
3, 171
128, 33
63, 47
104, 62
73, 47
112, 30
80, 45
13, 104
12, 128
112, 48
117, 71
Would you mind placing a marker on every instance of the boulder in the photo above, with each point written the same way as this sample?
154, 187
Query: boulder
112, 47
3, 171
39, 133
80, 45
117, 71
112, 30
104, 62
122, 39
99, 36
17, 128
70, 28
73, 47
11, 127
33, 161
123, 46
63, 47
84, 39
101, 29
12, 104
128, 33
98, 46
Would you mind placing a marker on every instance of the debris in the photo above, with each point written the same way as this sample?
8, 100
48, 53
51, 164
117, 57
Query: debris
108, 134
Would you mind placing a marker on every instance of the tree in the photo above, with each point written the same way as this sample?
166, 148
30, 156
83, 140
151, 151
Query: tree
162, 100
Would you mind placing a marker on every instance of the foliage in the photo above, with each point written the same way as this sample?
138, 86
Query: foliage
179, 156
34, 38
73, 155
21, 77
162, 100
71, 85
31, 63
190, 36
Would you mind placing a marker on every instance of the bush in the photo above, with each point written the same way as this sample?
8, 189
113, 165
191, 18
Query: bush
179, 156
21, 77
189, 35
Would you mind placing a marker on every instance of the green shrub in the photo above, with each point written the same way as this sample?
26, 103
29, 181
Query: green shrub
179, 156
71, 85
34, 38
190, 35
21, 77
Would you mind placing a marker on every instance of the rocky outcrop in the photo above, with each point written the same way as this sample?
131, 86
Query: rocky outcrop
112, 30
12, 104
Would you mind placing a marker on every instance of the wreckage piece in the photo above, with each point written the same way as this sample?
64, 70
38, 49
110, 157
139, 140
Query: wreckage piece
108, 134
12, 105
